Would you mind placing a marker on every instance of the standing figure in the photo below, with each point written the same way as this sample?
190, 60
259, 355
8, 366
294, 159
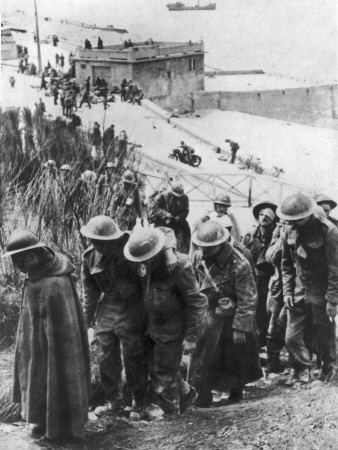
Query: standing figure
175, 309
234, 149
12, 81
258, 241
43, 82
99, 43
328, 205
56, 59
51, 367
310, 286
127, 202
227, 355
55, 95
86, 93
62, 60
171, 210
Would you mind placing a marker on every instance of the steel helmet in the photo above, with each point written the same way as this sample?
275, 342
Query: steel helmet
177, 189
222, 199
128, 177
22, 240
210, 234
321, 198
101, 228
50, 164
89, 176
65, 167
296, 207
143, 244
262, 205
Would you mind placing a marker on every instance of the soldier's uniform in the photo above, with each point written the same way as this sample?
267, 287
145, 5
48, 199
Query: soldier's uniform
176, 310
258, 244
218, 363
112, 292
310, 276
127, 206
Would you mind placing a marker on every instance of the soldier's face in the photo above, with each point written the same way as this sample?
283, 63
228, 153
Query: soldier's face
208, 252
327, 209
221, 209
299, 223
25, 261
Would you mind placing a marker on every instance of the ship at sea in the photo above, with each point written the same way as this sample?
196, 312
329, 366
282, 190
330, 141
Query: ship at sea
179, 6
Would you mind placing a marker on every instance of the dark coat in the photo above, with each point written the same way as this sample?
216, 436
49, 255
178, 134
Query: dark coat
258, 245
218, 363
176, 308
310, 262
52, 366
167, 206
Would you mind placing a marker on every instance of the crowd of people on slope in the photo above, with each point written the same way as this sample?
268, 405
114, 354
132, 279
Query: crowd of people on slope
154, 294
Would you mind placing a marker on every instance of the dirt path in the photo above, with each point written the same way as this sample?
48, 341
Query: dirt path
270, 417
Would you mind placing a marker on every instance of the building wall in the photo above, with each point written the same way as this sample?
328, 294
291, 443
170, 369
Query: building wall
8, 50
171, 78
315, 106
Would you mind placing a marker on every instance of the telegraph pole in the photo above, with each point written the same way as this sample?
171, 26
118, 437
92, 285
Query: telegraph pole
38, 38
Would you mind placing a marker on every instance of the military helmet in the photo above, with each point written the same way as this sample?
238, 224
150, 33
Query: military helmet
89, 176
262, 205
222, 199
296, 207
321, 198
21, 240
128, 177
101, 228
143, 244
65, 167
210, 234
177, 189
50, 164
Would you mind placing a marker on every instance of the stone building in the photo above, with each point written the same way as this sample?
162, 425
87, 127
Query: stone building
166, 71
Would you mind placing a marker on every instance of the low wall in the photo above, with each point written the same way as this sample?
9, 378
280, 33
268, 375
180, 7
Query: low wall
315, 106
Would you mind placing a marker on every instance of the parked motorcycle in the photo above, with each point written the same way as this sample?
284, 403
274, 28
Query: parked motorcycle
180, 155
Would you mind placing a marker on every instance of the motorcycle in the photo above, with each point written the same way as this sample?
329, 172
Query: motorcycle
180, 155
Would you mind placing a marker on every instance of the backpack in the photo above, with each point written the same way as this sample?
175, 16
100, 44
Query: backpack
151, 208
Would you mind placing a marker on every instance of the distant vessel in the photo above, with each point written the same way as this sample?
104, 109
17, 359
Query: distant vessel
179, 6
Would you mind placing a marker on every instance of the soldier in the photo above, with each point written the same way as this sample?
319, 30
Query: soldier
328, 205
227, 355
105, 189
222, 203
234, 149
171, 209
276, 330
120, 315
310, 286
51, 367
175, 310
127, 202
258, 241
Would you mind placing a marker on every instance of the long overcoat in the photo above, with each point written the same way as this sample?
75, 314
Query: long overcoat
52, 366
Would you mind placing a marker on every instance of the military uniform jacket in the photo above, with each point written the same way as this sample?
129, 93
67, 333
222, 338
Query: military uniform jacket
233, 276
274, 256
258, 245
114, 277
166, 207
176, 308
310, 262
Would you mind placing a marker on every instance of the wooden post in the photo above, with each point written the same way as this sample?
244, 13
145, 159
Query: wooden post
38, 38
250, 192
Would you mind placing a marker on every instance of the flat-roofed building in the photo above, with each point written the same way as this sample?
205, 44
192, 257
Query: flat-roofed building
8, 45
166, 71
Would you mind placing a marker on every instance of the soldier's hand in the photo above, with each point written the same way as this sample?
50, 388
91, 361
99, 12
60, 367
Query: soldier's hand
188, 347
170, 259
331, 310
238, 337
288, 301
205, 219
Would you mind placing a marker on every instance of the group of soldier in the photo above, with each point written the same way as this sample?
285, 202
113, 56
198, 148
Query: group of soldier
184, 312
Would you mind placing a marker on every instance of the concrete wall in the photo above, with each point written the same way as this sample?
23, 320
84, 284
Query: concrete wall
170, 78
315, 106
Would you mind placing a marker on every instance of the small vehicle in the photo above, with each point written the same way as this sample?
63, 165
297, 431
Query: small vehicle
181, 155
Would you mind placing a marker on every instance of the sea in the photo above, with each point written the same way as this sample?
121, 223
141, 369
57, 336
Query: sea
290, 38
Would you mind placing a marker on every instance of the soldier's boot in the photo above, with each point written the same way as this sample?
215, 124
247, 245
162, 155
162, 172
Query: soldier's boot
273, 364
188, 399
304, 376
293, 378
204, 399
327, 373
235, 395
